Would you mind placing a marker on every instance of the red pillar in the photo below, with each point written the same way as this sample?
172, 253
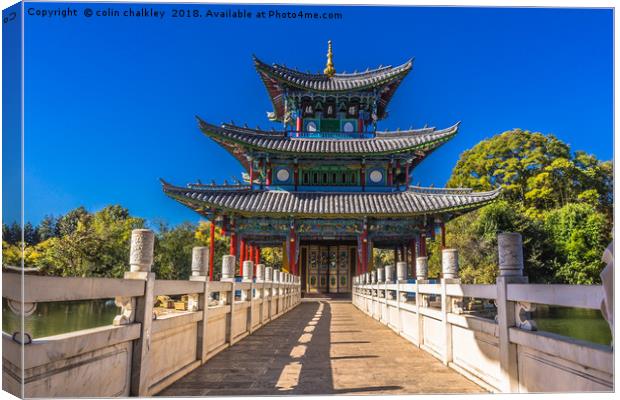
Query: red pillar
251, 172
242, 250
233, 240
423, 245
357, 265
250, 250
257, 255
268, 179
360, 125
390, 179
363, 177
211, 250
299, 124
443, 235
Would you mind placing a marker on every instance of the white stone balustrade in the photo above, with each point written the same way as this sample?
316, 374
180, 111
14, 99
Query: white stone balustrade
505, 355
142, 352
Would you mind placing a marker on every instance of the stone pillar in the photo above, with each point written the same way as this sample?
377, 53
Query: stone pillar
450, 263
228, 268
248, 269
510, 254
140, 261
401, 271
421, 268
389, 273
268, 274
373, 277
260, 273
141, 253
381, 275
200, 261
276, 276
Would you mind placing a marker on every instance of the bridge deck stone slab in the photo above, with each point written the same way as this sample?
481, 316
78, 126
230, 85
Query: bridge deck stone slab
322, 348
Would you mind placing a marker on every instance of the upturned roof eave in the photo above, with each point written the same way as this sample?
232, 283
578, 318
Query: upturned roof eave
205, 207
379, 77
435, 139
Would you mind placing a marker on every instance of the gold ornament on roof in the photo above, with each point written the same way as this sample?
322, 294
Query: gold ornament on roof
329, 66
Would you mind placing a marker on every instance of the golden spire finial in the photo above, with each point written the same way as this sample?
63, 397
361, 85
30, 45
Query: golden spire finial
329, 66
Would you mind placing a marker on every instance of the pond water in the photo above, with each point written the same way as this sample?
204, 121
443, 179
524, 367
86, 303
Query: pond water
55, 318
60, 317
578, 323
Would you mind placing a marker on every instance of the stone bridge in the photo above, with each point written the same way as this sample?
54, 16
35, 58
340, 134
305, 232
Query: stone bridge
256, 336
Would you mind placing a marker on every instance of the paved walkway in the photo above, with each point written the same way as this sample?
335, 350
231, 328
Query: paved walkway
322, 348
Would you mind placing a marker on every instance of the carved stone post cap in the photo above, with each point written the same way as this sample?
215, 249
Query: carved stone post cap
421, 268
380, 275
200, 261
450, 263
373, 277
248, 269
141, 252
260, 272
389, 273
510, 248
228, 267
401, 271
269, 274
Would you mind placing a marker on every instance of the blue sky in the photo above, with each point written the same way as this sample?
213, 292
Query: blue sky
110, 102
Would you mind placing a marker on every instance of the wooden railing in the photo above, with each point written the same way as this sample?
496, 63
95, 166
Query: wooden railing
504, 354
139, 353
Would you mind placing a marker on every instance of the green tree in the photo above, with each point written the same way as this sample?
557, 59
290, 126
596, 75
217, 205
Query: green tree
47, 228
68, 223
12, 234
173, 251
579, 234
534, 170
561, 203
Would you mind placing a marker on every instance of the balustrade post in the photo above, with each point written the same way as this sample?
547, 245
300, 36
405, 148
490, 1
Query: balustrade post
197, 302
228, 275
449, 270
381, 280
269, 290
389, 279
401, 276
510, 249
422, 268
140, 261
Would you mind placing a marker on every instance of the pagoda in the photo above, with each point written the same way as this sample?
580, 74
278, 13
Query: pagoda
328, 187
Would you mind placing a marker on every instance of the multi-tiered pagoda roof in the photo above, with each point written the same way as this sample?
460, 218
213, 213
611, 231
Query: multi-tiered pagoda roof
327, 172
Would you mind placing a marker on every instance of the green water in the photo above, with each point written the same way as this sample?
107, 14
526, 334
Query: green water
61, 317
578, 323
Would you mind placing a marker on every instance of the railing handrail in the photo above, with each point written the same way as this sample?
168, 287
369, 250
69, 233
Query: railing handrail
53, 288
576, 296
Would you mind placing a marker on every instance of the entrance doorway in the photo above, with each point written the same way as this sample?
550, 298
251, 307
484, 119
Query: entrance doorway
327, 268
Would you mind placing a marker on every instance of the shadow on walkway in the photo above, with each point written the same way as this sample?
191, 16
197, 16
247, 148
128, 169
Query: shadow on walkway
310, 350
